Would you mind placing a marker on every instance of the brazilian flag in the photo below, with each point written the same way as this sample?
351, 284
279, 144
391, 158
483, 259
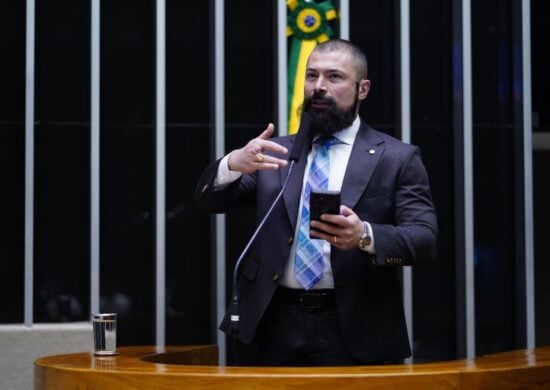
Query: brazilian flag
307, 25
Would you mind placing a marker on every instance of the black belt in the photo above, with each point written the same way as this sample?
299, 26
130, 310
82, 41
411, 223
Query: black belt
308, 299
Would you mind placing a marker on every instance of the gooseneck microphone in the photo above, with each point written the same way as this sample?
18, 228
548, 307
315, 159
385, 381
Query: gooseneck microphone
301, 138
294, 156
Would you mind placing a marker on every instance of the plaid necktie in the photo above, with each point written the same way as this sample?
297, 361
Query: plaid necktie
308, 264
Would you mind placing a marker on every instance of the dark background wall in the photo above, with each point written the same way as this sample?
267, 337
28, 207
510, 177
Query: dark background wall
127, 185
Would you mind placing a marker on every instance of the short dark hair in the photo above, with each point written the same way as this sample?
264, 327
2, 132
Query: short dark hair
358, 56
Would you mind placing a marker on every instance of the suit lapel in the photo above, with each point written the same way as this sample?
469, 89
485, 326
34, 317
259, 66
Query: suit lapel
293, 190
365, 154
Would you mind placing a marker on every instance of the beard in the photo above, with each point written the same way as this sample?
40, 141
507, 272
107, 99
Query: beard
327, 121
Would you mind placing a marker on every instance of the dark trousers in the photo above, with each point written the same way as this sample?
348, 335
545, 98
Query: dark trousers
292, 334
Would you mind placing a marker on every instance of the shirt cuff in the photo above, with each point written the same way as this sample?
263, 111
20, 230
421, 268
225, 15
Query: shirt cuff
370, 248
225, 176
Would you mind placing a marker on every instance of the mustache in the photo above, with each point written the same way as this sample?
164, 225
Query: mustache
318, 98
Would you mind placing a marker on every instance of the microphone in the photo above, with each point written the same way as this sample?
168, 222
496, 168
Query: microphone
294, 156
301, 137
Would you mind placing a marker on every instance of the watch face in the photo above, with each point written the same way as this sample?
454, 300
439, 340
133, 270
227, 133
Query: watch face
365, 241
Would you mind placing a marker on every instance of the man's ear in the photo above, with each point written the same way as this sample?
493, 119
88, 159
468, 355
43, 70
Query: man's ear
364, 88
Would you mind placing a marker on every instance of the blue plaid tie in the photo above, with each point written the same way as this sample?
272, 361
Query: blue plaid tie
308, 264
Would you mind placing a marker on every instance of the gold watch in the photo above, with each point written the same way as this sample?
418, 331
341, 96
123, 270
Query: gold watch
365, 240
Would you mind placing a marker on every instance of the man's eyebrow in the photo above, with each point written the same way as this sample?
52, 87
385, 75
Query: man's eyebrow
329, 70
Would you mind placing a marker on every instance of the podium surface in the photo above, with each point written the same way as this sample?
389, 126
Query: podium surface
195, 367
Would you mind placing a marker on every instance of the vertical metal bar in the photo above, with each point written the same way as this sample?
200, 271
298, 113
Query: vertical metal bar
282, 70
405, 71
29, 163
160, 127
468, 179
405, 77
94, 156
464, 223
219, 110
344, 19
528, 175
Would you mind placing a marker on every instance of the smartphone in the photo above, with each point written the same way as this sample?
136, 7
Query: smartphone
323, 202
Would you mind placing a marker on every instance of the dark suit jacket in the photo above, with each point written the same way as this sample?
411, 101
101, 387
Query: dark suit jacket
387, 185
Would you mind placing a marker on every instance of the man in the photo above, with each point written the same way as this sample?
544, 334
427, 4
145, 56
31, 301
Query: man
340, 302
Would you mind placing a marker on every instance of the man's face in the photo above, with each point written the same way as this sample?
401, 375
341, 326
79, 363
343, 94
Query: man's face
332, 91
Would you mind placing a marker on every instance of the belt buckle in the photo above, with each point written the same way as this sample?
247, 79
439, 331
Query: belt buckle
309, 305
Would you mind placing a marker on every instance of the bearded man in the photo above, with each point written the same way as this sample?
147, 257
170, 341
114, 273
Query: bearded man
326, 292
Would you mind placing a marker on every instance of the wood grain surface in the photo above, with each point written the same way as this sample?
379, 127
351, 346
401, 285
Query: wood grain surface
195, 367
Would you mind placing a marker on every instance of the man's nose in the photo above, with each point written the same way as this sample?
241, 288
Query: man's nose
320, 85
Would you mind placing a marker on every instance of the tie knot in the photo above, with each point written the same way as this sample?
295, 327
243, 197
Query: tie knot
327, 142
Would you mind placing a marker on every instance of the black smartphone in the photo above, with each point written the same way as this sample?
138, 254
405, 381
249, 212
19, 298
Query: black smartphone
323, 202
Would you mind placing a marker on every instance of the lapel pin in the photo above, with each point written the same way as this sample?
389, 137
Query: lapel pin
372, 151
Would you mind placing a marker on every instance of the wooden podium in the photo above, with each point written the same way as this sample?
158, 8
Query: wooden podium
195, 367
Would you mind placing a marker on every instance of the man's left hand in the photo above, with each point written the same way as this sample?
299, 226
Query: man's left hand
342, 231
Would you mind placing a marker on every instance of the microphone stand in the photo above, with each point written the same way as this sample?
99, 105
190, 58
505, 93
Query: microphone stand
301, 138
234, 310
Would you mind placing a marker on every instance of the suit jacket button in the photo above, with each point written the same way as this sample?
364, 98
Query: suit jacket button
276, 277
290, 240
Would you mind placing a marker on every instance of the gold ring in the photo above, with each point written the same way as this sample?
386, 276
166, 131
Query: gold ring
259, 157
335, 239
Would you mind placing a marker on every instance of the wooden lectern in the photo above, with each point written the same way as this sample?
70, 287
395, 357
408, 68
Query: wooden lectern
195, 367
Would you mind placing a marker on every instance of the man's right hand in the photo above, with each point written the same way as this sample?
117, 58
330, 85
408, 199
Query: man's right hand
252, 156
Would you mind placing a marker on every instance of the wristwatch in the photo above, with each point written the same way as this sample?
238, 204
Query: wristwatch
365, 240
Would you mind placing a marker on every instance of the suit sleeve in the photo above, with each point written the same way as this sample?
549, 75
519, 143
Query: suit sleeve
239, 193
412, 238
